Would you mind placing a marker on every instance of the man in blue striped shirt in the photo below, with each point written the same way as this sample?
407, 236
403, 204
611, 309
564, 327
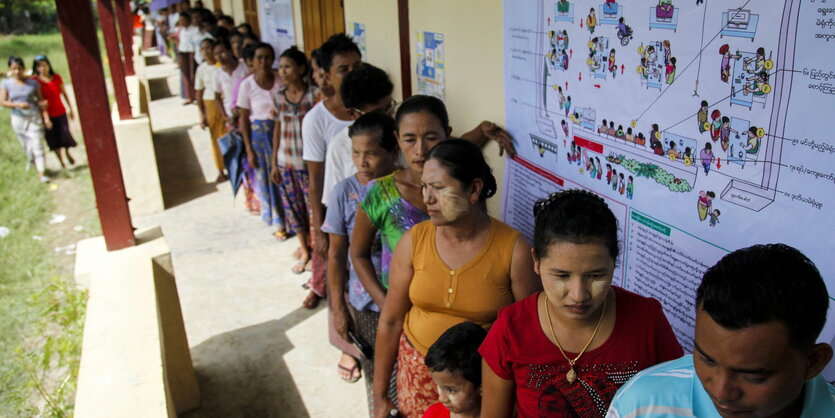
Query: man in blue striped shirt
759, 312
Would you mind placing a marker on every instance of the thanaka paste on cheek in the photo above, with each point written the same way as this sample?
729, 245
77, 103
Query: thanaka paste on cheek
453, 204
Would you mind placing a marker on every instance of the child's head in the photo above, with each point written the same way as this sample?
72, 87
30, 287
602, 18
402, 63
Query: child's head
422, 123
673, 61
630, 179
206, 50
368, 89
373, 145
726, 120
222, 52
704, 104
575, 247
292, 65
716, 212
41, 66
455, 367
708, 148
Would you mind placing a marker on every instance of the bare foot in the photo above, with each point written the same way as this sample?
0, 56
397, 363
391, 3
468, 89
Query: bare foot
349, 368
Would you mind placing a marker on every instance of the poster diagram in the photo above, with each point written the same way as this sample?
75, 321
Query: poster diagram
430, 64
705, 126
358, 35
276, 22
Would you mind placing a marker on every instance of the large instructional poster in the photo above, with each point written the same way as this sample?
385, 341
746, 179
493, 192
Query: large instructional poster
705, 126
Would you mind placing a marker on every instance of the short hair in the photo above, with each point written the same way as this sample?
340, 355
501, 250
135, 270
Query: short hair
226, 18
421, 103
263, 45
249, 51
293, 53
765, 283
365, 85
465, 162
222, 41
219, 32
456, 351
337, 44
576, 216
16, 60
39, 59
378, 125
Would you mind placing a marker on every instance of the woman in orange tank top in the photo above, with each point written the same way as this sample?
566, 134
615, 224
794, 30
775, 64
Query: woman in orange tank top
461, 265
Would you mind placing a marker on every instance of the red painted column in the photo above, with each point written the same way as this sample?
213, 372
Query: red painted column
126, 29
75, 18
111, 44
405, 48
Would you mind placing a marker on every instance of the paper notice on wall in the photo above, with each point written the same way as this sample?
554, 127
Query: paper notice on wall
706, 127
276, 22
431, 64
358, 35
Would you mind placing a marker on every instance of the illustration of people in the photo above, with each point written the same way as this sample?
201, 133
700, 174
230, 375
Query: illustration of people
615, 180
706, 157
599, 168
673, 153
619, 132
640, 140
629, 135
665, 47
701, 116
621, 28
621, 184
591, 21
552, 57
725, 133
571, 154
643, 70
603, 128
564, 60
715, 124
567, 105
705, 203
608, 173
756, 63
563, 6
725, 67
553, 38
593, 171
655, 140
752, 146
649, 61
561, 97
671, 70
754, 84
562, 39
629, 188
611, 131
714, 217
613, 67
564, 127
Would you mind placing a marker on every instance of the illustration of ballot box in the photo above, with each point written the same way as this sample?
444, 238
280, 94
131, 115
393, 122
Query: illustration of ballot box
739, 19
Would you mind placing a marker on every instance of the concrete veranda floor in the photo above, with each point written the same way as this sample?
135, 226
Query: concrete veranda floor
256, 351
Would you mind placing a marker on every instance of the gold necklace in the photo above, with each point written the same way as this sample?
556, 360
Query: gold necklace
571, 376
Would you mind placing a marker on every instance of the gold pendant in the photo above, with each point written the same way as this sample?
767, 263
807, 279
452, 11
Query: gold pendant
571, 376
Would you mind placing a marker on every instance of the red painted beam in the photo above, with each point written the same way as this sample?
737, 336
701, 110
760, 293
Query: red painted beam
405, 48
75, 18
126, 29
111, 44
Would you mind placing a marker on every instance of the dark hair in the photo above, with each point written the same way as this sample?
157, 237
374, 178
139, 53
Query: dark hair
219, 32
704, 103
246, 26
265, 45
209, 40
224, 42
226, 18
465, 162
42, 58
377, 124
248, 52
207, 17
576, 216
365, 85
337, 44
298, 57
316, 55
456, 351
16, 60
421, 103
184, 14
765, 283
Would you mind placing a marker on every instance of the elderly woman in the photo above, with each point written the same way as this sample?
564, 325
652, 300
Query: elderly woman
461, 265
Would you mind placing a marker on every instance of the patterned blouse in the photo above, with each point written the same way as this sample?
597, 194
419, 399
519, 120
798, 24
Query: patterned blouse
392, 214
290, 116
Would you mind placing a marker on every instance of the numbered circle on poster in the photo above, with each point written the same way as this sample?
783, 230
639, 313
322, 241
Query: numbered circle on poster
760, 133
657, 134
633, 123
766, 88
768, 64
672, 157
641, 49
688, 161
706, 126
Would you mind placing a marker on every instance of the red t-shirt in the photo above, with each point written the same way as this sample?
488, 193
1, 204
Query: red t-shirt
437, 410
517, 349
52, 93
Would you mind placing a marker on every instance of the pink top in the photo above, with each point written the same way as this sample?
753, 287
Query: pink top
258, 100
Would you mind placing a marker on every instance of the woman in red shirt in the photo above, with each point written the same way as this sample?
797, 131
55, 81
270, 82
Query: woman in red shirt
52, 87
565, 351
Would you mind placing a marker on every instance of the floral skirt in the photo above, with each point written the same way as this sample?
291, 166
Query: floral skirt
261, 137
294, 198
415, 389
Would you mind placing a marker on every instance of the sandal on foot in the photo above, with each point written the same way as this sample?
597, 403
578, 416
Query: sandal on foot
299, 267
354, 372
311, 301
281, 235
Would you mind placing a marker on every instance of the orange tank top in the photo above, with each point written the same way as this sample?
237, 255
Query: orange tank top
442, 298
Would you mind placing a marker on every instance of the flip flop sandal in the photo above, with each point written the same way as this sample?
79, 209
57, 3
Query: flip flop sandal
298, 268
311, 301
352, 379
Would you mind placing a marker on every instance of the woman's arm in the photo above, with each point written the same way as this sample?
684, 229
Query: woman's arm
67, 99
220, 107
362, 240
390, 325
488, 130
316, 175
337, 277
523, 279
275, 175
497, 394
5, 102
201, 106
245, 133
44, 106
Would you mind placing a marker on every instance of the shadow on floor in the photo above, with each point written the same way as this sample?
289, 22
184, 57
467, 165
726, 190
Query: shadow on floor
180, 174
242, 373
159, 88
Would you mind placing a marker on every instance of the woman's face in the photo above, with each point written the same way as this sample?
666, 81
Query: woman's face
16, 71
263, 60
42, 68
417, 133
237, 43
576, 278
446, 199
222, 54
288, 70
370, 158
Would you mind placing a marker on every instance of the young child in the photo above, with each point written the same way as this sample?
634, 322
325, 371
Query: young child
714, 217
455, 366
374, 152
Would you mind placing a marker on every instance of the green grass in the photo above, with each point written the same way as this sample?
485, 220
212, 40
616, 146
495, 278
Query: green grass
49, 44
41, 311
